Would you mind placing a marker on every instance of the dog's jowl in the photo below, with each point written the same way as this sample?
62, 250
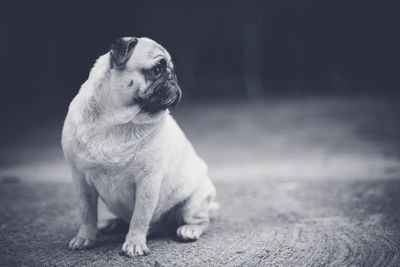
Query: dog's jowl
123, 146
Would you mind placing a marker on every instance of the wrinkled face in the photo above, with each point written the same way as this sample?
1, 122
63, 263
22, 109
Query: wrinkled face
143, 74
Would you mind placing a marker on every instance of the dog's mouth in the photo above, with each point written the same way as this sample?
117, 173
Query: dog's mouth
164, 95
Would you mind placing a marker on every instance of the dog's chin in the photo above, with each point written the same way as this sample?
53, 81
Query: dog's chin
146, 117
151, 113
155, 107
154, 110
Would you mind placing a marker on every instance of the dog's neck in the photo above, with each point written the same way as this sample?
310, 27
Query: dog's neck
132, 132
125, 122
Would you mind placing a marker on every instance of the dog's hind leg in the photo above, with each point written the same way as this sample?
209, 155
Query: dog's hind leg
194, 215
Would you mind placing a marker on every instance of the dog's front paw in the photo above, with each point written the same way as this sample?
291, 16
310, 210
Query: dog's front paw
134, 246
79, 242
85, 238
132, 250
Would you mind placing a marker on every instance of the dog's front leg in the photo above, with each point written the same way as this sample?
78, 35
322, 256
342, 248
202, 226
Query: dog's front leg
147, 190
87, 197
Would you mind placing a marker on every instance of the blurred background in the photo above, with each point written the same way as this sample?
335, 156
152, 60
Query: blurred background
272, 80
293, 104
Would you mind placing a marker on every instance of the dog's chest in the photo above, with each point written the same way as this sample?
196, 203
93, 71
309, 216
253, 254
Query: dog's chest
109, 149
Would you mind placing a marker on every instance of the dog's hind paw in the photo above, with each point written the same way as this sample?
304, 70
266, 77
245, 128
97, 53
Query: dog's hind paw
190, 232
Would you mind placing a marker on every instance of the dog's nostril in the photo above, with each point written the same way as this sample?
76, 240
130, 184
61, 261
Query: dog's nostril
170, 77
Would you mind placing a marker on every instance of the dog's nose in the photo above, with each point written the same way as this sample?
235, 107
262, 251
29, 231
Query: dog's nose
170, 77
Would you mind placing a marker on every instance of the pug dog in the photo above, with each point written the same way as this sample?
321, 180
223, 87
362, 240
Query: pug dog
124, 147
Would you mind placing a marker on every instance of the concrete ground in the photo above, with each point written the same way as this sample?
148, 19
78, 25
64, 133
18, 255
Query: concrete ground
302, 181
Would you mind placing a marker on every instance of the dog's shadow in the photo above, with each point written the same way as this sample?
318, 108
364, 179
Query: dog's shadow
116, 231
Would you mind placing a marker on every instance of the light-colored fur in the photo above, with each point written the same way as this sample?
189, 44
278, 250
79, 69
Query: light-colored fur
140, 165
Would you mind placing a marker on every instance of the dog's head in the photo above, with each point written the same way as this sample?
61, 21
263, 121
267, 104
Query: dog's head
142, 75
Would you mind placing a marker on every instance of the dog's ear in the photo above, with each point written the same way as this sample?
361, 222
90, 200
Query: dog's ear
121, 50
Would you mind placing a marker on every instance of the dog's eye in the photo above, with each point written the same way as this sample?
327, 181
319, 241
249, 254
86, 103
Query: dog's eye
157, 70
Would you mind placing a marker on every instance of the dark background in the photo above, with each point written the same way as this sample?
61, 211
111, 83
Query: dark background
222, 49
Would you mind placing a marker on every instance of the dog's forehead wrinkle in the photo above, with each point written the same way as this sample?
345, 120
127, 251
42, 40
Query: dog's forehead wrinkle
154, 50
145, 60
153, 47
